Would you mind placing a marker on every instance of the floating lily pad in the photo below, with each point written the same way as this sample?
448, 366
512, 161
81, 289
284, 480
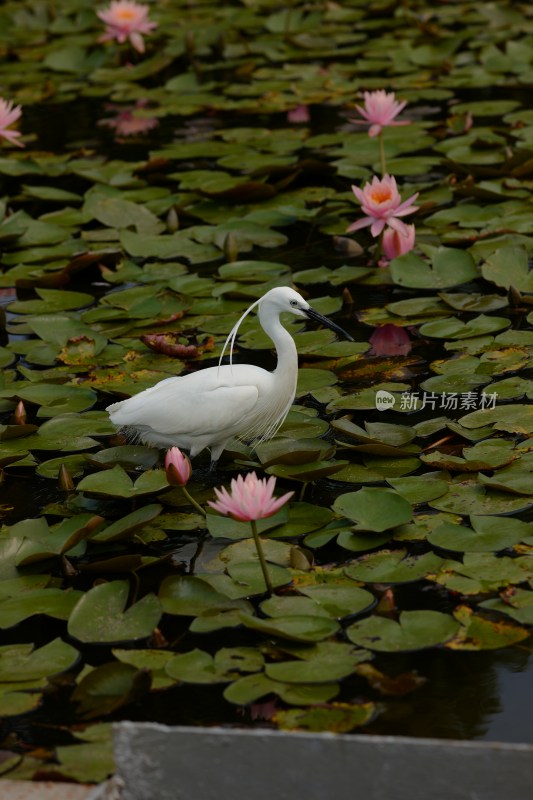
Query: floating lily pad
374, 509
480, 633
393, 566
101, 615
335, 717
117, 483
415, 630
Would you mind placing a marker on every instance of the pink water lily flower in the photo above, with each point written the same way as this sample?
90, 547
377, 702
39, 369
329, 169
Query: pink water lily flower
124, 20
251, 498
382, 204
397, 243
380, 109
177, 467
8, 115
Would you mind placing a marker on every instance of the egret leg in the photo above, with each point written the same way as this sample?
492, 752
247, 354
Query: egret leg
216, 452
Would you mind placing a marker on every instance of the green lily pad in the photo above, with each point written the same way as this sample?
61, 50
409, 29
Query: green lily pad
374, 509
487, 535
54, 603
393, 566
453, 328
507, 267
448, 268
126, 527
252, 687
336, 717
106, 688
188, 595
117, 483
469, 497
52, 300
415, 630
21, 662
293, 627
100, 615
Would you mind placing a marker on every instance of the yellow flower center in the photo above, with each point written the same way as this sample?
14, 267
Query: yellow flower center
380, 194
126, 14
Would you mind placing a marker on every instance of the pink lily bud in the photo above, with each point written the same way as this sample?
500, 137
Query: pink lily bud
177, 466
20, 416
398, 242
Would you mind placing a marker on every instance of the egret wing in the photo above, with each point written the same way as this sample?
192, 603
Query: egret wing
182, 406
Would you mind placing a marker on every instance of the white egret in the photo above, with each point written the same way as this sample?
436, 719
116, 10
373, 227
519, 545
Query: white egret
209, 407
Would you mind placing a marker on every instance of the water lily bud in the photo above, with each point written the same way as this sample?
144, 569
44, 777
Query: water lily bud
231, 250
178, 467
65, 479
173, 222
397, 243
20, 415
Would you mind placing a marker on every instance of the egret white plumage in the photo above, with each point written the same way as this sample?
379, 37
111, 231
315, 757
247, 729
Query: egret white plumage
210, 407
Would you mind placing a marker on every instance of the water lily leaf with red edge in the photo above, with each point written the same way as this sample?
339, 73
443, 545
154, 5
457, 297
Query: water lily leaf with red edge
479, 633
484, 572
513, 602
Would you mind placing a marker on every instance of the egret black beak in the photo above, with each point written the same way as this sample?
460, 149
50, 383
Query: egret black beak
314, 315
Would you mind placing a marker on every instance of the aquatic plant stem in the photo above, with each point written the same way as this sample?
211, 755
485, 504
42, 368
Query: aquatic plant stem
193, 502
382, 154
261, 555
378, 250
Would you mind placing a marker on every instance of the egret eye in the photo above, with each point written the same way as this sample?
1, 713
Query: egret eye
294, 303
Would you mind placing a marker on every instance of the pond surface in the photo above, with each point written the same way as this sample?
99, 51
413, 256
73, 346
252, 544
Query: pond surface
157, 195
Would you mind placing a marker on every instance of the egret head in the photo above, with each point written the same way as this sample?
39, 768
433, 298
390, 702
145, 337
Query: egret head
285, 299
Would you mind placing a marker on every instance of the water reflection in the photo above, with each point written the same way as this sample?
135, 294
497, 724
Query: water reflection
467, 696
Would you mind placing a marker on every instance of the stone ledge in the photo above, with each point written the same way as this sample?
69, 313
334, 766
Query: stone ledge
184, 763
